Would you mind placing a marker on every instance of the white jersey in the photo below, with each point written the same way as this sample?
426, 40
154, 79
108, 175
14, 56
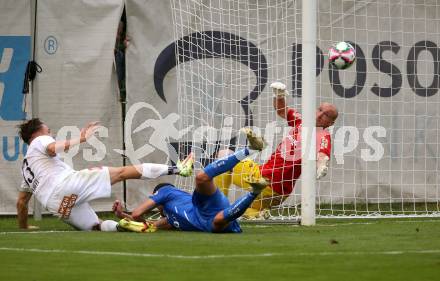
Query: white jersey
41, 172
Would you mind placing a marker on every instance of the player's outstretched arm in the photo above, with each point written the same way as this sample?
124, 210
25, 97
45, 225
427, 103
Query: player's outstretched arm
22, 210
279, 98
136, 222
64, 145
142, 209
117, 210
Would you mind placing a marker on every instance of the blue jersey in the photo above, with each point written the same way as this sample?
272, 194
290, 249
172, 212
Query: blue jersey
192, 212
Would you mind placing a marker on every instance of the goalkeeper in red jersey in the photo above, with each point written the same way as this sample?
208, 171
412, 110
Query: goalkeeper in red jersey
284, 165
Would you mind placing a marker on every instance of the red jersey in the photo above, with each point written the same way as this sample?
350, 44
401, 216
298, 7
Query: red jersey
284, 165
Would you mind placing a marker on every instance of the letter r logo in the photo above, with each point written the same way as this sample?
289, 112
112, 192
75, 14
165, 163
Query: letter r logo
14, 55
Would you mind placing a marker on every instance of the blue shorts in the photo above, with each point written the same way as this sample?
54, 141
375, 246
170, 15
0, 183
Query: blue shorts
208, 206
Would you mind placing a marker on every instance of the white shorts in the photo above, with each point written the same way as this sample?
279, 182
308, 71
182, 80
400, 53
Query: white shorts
70, 199
82, 217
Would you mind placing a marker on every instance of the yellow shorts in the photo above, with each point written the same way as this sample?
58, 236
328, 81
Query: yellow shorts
249, 168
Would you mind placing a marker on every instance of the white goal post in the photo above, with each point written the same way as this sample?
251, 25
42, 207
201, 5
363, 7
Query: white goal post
385, 142
308, 109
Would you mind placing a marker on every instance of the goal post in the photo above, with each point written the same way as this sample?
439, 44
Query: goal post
385, 143
308, 144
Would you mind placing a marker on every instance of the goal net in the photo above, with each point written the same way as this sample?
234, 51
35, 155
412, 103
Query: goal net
385, 142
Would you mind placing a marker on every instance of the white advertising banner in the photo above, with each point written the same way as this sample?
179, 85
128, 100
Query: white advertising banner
75, 43
75, 48
15, 50
385, 141
148, 31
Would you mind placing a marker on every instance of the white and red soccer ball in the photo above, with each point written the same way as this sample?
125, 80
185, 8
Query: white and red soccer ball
341, 55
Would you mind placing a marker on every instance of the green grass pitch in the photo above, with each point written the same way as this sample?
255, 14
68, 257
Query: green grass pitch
385, 249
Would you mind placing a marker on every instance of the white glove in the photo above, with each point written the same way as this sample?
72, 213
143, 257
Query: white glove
322, 166
279, 89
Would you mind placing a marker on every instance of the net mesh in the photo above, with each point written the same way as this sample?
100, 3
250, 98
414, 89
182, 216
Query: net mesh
385, 143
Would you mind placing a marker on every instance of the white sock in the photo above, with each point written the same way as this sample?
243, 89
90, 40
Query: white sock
109, 225
241, 154
252, 151
244, 153
152, 171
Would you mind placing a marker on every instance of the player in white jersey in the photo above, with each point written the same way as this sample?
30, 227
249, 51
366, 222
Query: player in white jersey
65, 192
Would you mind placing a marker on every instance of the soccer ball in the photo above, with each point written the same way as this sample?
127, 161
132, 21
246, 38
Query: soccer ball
341, 55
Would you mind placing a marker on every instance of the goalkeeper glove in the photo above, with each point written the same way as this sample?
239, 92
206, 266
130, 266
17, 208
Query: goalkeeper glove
322, 166
279, 90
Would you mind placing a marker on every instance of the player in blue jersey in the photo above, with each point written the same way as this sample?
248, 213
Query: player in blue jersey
207, 209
